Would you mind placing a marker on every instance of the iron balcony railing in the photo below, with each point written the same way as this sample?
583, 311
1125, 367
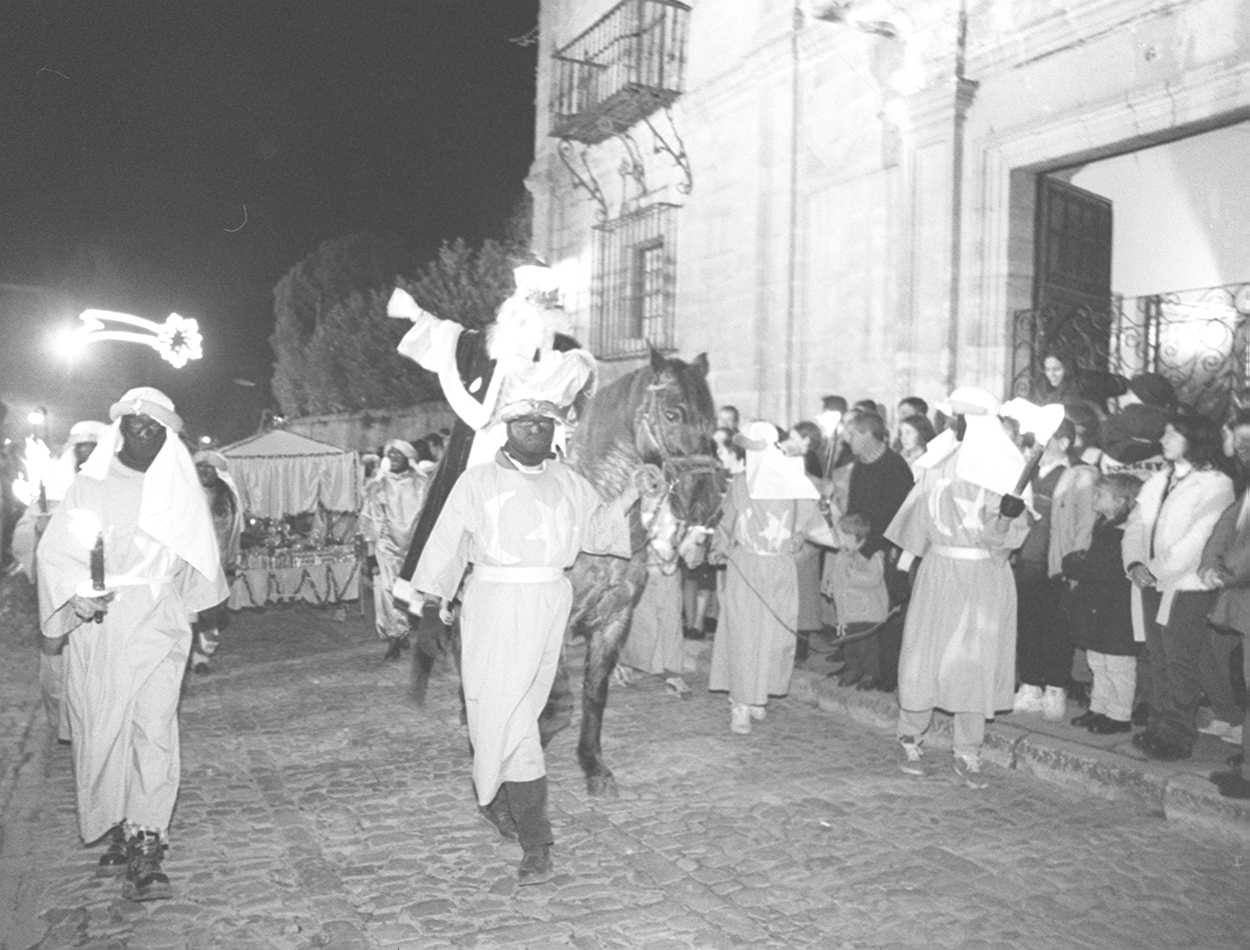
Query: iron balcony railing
630, 63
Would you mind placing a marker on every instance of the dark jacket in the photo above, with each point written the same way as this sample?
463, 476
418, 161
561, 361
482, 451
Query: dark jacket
1228, 551
1099, 609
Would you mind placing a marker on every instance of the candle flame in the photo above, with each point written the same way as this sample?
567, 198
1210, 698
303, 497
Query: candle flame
84, 527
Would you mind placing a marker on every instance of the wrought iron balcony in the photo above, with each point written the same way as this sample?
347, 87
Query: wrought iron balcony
630, 63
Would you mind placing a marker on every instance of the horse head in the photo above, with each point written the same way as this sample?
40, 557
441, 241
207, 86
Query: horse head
675, 416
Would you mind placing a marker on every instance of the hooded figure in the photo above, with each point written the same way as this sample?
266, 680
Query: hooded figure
769, 512
222, 495
392, 504
127, 558
82, 440
959, 636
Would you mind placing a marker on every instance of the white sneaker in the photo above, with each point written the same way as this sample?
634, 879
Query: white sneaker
1028, 699
1055, 704
740, 719
910, 757
1233, 736
759, 712
968, 769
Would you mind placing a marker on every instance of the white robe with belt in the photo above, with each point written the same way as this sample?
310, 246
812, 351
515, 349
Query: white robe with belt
122, 675
521, 530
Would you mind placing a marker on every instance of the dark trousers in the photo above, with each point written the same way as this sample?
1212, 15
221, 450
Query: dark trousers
1043, 650
1175, 652
527, 803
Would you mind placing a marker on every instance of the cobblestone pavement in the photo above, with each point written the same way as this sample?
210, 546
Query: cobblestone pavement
321, 809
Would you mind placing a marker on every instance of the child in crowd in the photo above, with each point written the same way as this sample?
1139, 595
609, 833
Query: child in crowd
857, 585
1100, 610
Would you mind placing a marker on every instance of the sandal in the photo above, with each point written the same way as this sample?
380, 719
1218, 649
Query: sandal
678, 687
622, 676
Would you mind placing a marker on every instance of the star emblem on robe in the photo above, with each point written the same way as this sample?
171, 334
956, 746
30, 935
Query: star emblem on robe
492, 536
777, 530
545, 531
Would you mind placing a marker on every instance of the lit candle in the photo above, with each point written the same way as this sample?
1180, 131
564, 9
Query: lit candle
97, 570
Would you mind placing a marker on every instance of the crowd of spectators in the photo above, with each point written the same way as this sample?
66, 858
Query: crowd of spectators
1131, 584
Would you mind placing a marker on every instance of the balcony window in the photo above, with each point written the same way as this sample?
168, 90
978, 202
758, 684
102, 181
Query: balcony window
633, 293
630, 63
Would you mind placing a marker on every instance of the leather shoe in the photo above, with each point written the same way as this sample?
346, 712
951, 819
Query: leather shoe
1231, 784
504, 823
1084, 719
1145, 739
1165, 750
1141, 715
1106, 726
535, 866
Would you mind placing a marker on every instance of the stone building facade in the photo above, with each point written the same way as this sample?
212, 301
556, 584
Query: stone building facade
842, 196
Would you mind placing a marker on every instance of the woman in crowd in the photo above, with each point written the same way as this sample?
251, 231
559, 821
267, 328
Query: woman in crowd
914, 433
1163, 544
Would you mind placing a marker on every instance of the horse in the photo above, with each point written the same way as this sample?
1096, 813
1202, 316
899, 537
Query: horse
653, 424
658, 419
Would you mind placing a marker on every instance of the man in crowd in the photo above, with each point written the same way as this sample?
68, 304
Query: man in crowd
727, 418
392, 504
879, 481
959, 638
135, 522
83, 437
223, 503
520, 520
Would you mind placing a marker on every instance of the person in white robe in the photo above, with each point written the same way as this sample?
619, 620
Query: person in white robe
770, 511
224, 504
388, 516
959, 636
134, 522
82, 440
519, 521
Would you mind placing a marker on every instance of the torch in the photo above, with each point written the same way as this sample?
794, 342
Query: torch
97, 571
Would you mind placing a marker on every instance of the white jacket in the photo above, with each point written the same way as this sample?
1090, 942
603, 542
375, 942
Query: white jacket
1181, 526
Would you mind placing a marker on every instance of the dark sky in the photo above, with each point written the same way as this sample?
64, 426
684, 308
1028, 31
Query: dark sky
133, 134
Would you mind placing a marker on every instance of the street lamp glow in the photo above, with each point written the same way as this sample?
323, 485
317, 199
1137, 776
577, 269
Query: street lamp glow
177, 340
37, 417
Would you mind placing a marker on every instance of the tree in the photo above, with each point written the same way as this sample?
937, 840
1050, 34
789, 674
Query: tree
334, 344
463, 283
354, 264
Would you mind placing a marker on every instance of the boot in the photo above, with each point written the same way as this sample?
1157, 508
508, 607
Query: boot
527, 801
499, 815
116, 854
535, 866
145, 881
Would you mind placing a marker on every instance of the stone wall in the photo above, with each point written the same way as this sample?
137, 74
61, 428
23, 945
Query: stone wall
861, 214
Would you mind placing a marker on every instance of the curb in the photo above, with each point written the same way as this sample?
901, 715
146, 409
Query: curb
1175, 792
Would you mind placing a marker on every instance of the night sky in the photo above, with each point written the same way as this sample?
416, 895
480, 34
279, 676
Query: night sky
132, 135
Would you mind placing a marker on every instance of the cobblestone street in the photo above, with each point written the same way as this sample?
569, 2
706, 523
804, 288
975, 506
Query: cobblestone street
320, 808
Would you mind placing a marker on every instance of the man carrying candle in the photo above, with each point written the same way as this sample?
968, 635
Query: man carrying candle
139, 493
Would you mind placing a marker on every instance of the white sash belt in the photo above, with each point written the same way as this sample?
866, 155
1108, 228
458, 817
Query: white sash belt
961, 554
517, 575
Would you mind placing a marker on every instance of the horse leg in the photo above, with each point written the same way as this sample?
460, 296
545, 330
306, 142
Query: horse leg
603, 648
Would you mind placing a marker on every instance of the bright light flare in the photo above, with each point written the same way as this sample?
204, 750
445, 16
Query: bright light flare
37, 469
178, 340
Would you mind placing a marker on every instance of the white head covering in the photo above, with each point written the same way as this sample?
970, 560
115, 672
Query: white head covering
213, 458
970, 401
88, 430
406, 449
173, 509
771, 474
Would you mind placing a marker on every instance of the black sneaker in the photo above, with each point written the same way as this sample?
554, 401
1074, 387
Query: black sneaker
535, 866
